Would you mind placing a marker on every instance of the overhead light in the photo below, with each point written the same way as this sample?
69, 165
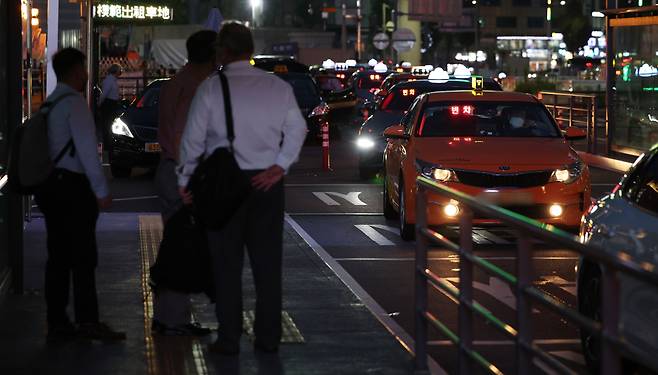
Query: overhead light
35, 22
597, 14
35, 12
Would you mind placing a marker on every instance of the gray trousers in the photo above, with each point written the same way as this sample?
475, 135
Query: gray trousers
258, 227
169, 307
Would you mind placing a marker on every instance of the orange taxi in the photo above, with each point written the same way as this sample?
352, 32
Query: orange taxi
502, 146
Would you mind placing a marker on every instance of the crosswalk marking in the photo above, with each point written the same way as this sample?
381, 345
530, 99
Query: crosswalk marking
370, 230
351, 197
567, 286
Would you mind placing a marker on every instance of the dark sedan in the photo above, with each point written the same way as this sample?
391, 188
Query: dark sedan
371, 142
135, 133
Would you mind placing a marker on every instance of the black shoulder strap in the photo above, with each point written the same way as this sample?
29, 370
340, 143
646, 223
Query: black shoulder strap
228, 109
69, 145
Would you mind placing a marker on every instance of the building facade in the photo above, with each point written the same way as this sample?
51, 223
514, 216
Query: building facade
632, 76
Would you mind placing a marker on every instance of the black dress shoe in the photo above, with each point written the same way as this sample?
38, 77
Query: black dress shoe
265, 348
224, 349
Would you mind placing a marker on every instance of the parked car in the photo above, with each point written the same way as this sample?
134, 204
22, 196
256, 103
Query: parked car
624, 222
135, 133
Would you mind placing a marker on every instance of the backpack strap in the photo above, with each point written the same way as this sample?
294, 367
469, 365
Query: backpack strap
228, 110
48, 106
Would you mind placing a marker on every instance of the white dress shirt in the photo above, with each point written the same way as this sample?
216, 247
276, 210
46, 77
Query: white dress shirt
72, 119
269, 127
110, 89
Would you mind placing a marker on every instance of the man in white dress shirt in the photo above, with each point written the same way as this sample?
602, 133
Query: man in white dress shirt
109, 102
269, 134
70, 200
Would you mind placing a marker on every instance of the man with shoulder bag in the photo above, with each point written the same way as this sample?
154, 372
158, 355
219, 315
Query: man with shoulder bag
70, 200
246, 126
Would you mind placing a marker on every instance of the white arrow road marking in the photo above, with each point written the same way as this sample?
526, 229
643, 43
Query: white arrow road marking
351, 197
370, 230
567, 286
489, 236
496, 289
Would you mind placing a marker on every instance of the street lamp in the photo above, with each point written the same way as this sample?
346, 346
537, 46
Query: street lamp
254, 4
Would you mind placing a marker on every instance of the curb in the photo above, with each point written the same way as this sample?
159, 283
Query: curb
606, 163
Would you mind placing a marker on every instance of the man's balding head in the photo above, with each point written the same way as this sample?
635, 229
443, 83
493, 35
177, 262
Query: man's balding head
234, 42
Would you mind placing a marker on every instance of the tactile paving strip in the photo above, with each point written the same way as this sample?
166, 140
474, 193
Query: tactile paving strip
290, 333
169, 355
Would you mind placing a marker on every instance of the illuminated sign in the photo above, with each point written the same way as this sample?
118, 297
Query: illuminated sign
464, 110
408, 92
132, 12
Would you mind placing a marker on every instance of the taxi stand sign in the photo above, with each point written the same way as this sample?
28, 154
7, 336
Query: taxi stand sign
132, 12
477, 85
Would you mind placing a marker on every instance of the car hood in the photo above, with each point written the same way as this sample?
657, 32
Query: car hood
381, 120
495, 154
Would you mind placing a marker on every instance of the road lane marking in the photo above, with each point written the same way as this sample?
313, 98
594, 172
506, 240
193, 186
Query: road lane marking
370, 230
574, 357
380, 314
509, 342
351, 197
490, 237
567, 286
496, 288
451, 259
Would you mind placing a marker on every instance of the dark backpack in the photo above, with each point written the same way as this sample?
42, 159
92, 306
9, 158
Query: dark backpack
30, 163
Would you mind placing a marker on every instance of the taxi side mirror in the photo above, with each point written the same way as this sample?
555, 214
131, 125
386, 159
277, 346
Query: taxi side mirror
574, 134
395, 132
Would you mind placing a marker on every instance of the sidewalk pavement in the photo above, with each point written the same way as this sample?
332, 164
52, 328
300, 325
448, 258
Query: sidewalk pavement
329, 331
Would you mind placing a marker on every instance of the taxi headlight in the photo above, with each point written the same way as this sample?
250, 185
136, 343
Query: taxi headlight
120, 128
443, 175
569, 174
365, 143
451, 209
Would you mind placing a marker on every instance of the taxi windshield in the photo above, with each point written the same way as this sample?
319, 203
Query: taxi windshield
486, 119
329, 83
400, 100
304, 88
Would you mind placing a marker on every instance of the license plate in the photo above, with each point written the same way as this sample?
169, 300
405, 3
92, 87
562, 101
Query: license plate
152, 147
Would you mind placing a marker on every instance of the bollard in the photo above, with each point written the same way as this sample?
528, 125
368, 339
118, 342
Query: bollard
326, 162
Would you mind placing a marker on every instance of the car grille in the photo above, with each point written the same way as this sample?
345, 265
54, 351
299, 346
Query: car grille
144, 133
539, 211
491, 180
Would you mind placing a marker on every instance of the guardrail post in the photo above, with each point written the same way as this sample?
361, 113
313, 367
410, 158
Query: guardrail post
465, 290
595, 131
570, 110
610, 360
523, 305
420, 328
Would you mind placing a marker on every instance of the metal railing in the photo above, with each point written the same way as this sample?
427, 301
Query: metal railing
577, 110
612, 345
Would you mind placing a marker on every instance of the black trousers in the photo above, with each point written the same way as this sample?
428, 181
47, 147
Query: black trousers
258, 226
70, 210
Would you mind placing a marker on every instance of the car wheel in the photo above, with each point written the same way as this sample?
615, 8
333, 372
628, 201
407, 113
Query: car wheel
389, 211
407, 230
590, 305
120, 171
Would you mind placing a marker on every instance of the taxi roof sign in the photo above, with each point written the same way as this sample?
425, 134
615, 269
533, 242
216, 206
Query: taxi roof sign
281, 69
477, 84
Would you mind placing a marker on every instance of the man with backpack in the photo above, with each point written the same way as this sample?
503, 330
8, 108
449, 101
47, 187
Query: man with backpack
70, 200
